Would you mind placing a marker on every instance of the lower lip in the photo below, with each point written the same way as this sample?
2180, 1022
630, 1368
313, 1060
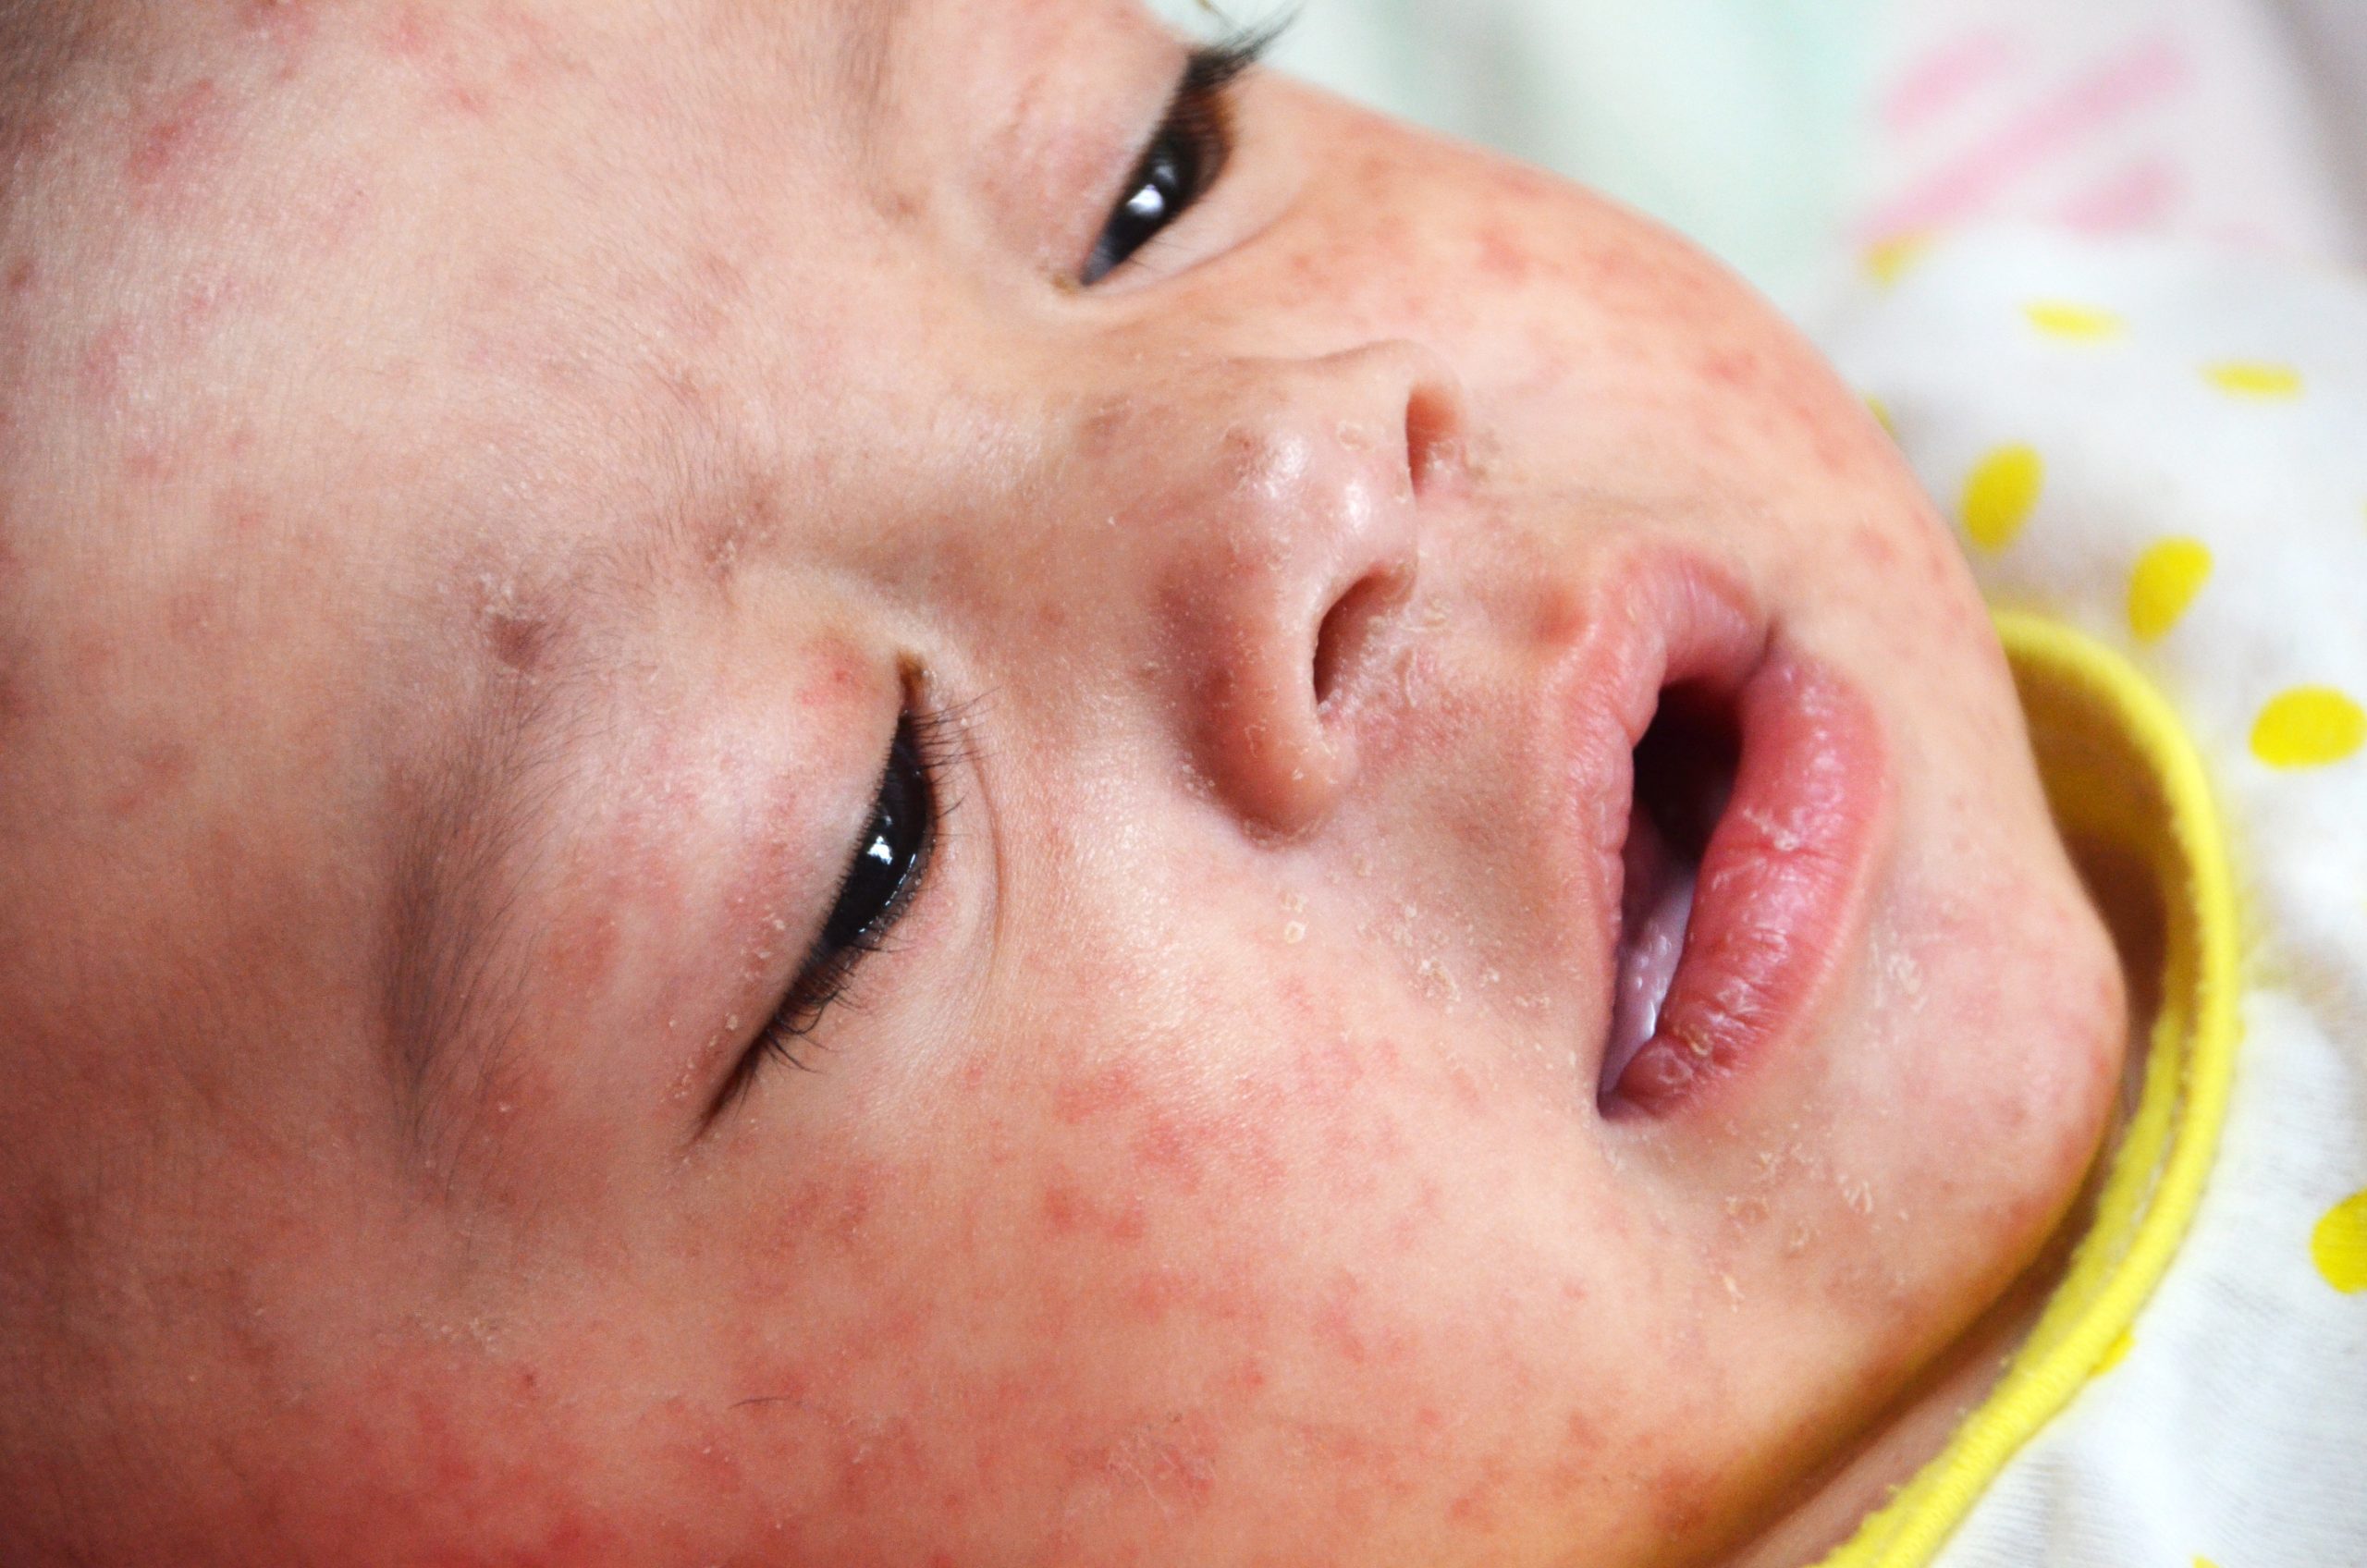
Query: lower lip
1780, 887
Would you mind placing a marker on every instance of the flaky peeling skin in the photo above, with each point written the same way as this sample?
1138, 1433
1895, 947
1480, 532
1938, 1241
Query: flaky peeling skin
477, 485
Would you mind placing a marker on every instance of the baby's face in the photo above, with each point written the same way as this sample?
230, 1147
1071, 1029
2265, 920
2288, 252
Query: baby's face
509, 504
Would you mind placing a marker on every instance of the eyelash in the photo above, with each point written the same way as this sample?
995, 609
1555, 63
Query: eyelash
1199, 117
1199, 121
939, 742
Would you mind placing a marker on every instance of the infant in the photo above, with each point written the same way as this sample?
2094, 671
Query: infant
927, 782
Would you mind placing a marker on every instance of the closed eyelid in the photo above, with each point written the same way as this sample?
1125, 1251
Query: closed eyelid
938, 742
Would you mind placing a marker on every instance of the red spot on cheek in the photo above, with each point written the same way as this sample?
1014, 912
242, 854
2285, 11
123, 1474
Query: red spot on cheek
169, 140
1246, 1375
151, 462
1328, 1073
837, 683
465, 99
1503, 259
1731, 367
34, 136
158, 771
200, 304
412, 33
1876, 547
1419, 1217
334, 220
581, 959
1098, 1096
1475, 1508
288, 24
1062, 1208
882, 1465
192, 614
1336, 1330
237, 512
847, 1209
1068, 1211
422, 38
1165, 1147
103, 361
16, 706
21, 278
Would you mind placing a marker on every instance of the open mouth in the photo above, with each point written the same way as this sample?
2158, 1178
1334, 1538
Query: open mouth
1684, 777
1750, 840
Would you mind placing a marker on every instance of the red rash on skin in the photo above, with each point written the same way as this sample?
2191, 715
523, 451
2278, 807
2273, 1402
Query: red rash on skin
289, 26
526, 53
163, 771
104, 360
1068, 1211
1112, 1226
175, 144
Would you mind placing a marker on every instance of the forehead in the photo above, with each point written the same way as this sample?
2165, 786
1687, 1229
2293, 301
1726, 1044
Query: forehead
524, 238
416, 283
385, 324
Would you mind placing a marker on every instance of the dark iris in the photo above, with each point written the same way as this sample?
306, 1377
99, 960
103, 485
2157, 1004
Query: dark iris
1168, 179
890, 859
885, 852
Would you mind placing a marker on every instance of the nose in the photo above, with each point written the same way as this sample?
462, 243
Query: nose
1297, 548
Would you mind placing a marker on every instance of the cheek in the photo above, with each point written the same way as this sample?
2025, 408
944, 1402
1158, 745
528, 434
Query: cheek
1171, 1264
1990, 1063
1588, 333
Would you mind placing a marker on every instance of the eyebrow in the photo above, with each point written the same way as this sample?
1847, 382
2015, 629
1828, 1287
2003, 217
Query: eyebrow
454, 970
867, 46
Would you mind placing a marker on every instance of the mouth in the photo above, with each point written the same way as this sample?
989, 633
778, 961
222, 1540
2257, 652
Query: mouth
1683, 775
1752, 831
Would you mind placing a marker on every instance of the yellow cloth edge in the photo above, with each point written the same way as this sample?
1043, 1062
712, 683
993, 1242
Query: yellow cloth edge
2156, 1179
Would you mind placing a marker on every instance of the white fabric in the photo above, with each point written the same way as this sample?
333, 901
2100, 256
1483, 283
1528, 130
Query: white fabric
2172, 394
2191, 117
1783, 135
1738, 122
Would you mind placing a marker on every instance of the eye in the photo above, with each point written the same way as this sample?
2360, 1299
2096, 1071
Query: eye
887, 856
889, 862
1186, 155
1175, 173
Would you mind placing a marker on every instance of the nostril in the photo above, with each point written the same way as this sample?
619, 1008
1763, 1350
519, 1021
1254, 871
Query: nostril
1345, 641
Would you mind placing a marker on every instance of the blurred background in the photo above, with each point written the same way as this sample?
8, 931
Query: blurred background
1803, 141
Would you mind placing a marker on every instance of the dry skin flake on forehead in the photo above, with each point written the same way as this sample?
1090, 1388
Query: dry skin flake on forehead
495, 498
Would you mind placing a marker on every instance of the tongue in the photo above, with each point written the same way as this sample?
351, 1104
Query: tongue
1656, 901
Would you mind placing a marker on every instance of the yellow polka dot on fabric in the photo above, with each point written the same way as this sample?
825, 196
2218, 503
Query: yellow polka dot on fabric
2253, 378
2309, 727
2338, 1245
1888, 261
2115, 1352
2167, 578
1999, 495
2060, 318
